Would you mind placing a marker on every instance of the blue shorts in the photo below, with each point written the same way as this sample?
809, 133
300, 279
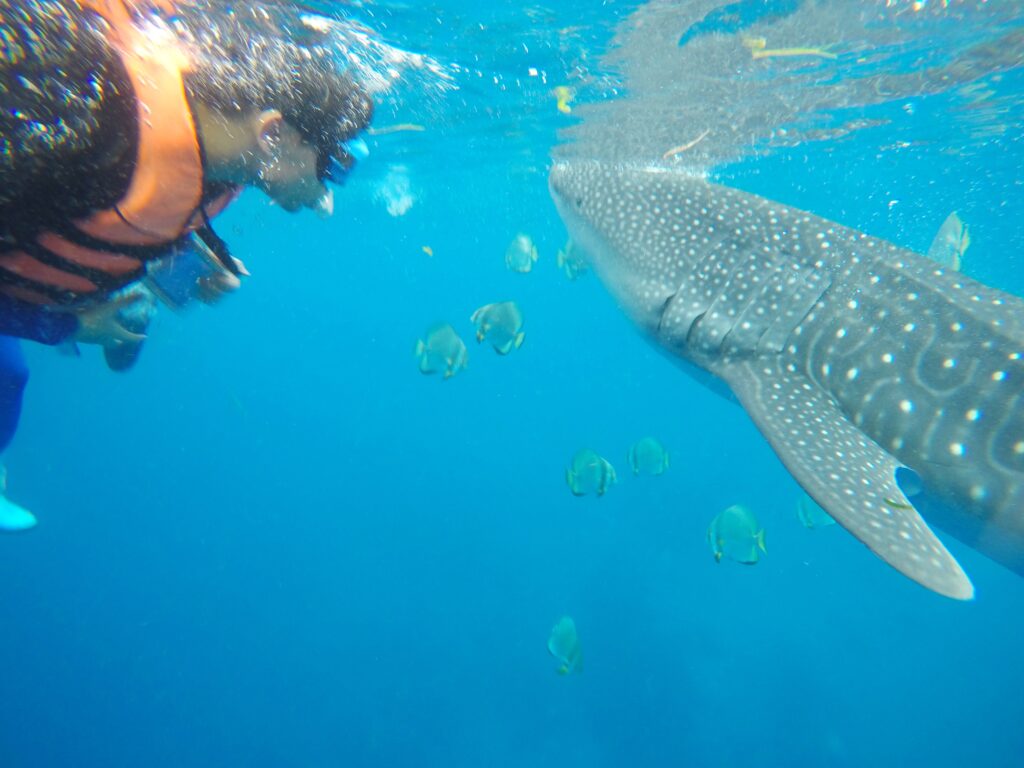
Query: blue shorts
13, 376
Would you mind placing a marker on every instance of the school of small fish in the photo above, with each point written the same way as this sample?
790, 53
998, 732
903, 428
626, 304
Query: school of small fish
442, 350
734, 533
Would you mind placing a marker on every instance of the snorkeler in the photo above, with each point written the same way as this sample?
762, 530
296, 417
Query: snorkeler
125, 128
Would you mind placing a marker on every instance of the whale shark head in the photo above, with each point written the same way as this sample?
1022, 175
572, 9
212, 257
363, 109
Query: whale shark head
608, 211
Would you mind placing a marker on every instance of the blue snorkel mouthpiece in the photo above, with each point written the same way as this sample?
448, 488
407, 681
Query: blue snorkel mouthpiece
357, 147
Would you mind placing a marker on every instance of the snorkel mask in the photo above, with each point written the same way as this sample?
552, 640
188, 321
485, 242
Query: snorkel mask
333, 164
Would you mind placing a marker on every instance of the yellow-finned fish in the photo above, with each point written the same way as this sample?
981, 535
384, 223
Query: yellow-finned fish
564, 645
648, 456
736, 534
501, 324
811, 515
521, 254
951, 243
441, 351
589, 473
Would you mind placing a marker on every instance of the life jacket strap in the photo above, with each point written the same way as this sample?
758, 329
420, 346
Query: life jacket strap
216, 244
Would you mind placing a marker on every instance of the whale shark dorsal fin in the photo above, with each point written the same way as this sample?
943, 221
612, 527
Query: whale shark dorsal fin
847, 474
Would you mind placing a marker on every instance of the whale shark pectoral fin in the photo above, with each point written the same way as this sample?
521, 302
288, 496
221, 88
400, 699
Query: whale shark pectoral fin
844, 471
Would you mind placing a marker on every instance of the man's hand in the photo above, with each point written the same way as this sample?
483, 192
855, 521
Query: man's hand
101, 325
212, 288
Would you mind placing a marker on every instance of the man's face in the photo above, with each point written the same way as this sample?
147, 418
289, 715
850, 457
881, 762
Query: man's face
288, 173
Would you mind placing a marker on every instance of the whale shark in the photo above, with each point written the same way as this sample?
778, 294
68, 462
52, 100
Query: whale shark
888, 385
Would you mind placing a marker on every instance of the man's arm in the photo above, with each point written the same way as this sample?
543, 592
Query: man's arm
28, 321
97, 324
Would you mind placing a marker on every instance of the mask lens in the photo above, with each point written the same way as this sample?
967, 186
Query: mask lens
334, 169
334, 162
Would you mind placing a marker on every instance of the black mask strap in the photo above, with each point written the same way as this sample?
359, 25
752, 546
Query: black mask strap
216, 244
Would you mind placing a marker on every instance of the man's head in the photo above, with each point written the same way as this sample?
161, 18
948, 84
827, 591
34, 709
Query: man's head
292, 168
291, 99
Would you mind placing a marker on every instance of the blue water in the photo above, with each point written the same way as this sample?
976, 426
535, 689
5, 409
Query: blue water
275, 543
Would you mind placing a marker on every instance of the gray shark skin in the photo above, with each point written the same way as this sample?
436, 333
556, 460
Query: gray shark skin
856, 359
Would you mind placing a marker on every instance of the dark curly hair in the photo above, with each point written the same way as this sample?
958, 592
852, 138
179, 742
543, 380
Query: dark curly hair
62, 90
264, 56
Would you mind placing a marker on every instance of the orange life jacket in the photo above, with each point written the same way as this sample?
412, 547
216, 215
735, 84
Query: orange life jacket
108, 249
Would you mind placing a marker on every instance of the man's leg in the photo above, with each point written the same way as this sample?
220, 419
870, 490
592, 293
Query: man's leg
13, 376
